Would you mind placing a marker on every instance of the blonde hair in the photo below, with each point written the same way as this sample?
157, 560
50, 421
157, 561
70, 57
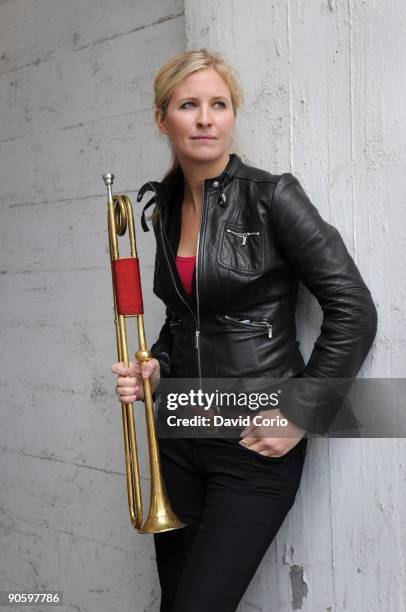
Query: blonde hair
177, 68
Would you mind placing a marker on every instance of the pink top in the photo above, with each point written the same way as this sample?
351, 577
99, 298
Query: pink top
185, 267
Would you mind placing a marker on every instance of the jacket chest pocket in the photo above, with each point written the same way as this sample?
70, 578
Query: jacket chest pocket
242, 248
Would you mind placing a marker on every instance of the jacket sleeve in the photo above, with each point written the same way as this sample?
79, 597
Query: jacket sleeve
316, 251
162, 348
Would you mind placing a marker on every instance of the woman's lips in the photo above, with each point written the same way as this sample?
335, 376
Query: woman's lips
204, 138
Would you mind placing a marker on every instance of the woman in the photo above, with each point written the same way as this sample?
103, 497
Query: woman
233, 242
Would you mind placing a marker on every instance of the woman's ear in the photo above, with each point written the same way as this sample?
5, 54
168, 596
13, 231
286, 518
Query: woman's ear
160, 121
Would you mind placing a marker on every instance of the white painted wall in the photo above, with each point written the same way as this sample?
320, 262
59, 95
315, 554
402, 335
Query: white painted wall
324, 83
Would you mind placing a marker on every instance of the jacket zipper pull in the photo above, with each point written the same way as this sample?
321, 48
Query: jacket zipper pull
246, 234
197, 332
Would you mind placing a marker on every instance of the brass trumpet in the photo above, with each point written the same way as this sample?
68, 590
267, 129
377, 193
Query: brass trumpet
127, 296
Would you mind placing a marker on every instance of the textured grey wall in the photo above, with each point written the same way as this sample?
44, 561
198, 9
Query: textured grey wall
324, 82
324, 85
75, 99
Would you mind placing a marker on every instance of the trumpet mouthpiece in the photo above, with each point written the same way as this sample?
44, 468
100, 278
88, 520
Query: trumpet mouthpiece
108, 178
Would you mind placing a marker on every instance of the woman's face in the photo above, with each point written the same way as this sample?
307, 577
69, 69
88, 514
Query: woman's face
200, 105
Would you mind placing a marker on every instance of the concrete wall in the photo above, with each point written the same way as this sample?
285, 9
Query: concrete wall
75, 91
324, 84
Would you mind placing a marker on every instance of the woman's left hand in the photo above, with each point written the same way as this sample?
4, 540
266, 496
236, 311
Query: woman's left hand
284, 437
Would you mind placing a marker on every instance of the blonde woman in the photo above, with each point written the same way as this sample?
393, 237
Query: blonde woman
233, 242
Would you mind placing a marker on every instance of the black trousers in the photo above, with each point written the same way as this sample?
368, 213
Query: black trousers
234, 501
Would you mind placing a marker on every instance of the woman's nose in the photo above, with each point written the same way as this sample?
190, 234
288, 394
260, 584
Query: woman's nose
204, 117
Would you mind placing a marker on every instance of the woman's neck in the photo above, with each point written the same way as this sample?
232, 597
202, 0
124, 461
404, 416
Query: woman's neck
195, 173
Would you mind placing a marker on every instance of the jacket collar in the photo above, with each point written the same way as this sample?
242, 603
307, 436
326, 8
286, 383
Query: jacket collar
170, 188
176, 180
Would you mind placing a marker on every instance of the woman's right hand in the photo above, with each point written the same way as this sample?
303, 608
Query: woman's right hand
129, 386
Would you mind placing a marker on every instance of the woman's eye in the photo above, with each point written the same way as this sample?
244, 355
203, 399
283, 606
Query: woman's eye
223, 105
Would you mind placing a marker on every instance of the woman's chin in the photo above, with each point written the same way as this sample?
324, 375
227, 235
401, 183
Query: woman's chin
204, 154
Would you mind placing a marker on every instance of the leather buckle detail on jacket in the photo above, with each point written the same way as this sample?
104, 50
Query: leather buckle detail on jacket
221, 201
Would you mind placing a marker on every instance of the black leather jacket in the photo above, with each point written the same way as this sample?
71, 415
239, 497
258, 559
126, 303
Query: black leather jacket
259, 237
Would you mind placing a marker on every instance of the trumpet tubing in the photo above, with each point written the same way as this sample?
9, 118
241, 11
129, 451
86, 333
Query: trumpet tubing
127, 297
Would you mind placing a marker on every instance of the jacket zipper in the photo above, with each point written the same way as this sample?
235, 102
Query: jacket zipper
215, 427
197, 332
243, 235
197, 289
249, 323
